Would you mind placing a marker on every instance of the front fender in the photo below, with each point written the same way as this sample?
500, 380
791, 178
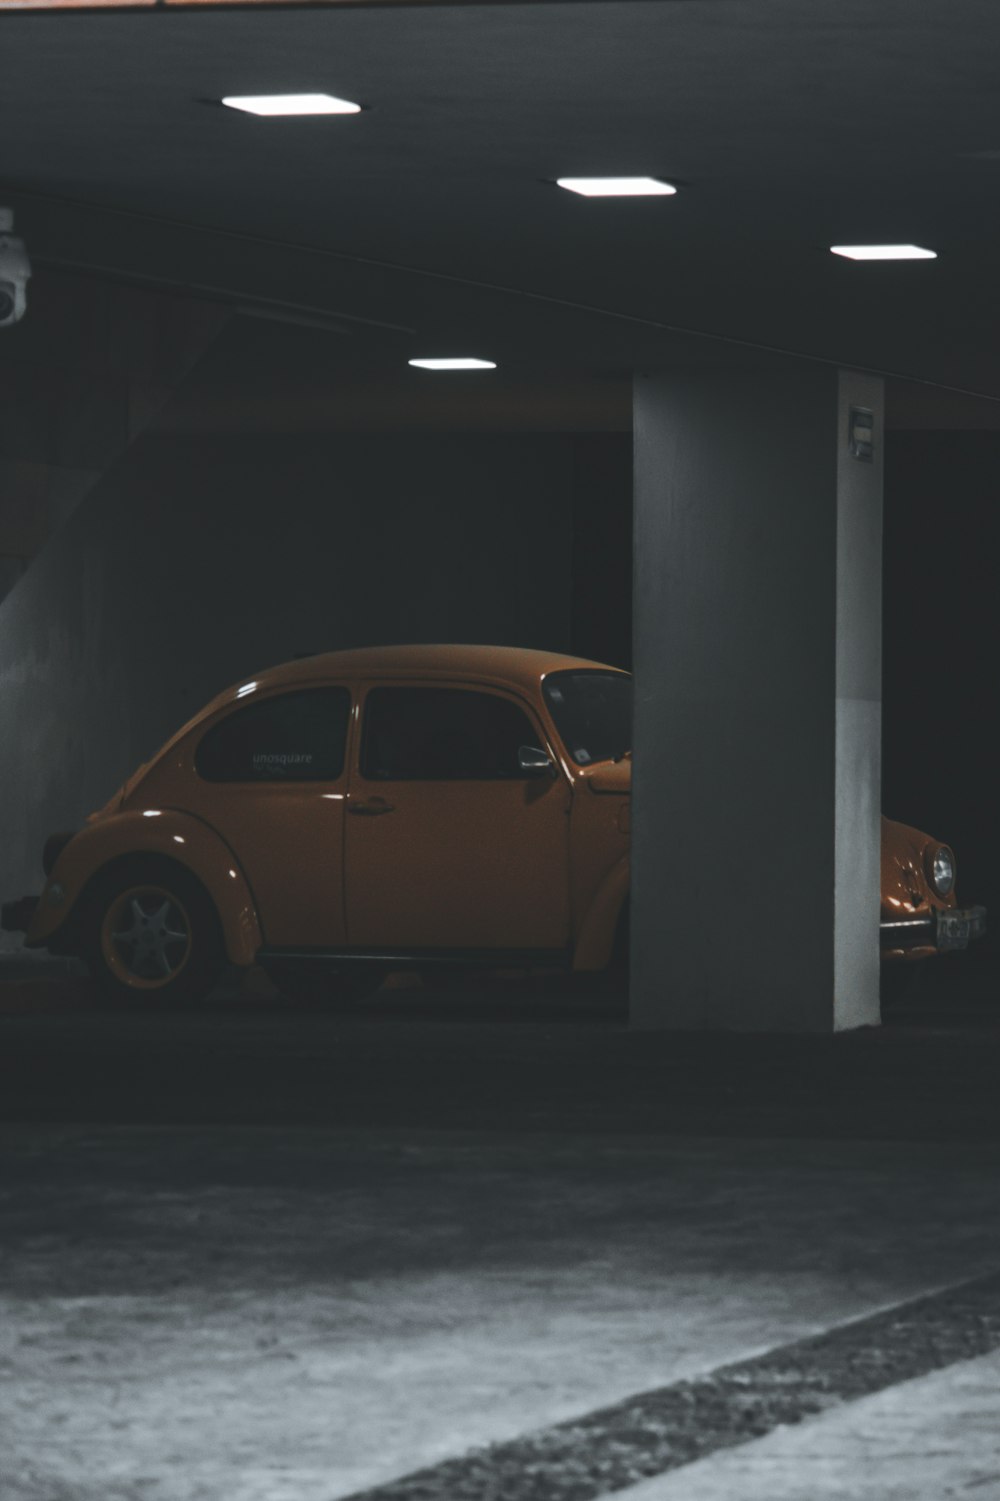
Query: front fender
169, 833
595, 939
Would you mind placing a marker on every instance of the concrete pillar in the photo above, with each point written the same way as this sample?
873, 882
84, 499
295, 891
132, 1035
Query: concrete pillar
757, 636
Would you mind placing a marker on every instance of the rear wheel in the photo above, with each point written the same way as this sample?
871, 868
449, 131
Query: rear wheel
151, 935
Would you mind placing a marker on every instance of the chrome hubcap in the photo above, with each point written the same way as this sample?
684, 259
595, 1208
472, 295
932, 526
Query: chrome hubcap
151, 936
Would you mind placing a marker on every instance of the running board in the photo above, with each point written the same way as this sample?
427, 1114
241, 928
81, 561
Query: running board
415, 958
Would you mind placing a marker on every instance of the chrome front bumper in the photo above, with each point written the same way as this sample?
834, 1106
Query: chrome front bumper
943, 929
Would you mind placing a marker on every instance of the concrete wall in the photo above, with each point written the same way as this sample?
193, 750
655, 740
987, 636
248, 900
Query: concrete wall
198, 560
602, 548
80, 377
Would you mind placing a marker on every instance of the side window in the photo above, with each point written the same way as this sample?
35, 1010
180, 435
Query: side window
296, 737
442, 734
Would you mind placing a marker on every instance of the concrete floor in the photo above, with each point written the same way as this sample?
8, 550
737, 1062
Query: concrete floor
259, 1255
923, 1440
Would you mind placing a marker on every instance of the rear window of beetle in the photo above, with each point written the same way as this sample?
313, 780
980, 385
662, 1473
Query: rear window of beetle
293, 737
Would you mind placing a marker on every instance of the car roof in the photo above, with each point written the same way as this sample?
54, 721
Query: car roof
517, 666
521, 665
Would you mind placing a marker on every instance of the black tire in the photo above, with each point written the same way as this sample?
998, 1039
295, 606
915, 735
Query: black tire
151, 935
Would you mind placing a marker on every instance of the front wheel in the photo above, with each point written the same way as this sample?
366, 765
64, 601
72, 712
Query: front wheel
151, 936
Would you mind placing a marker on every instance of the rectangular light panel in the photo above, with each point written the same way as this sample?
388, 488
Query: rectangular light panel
616, 187
884, 252
291, 104
457, 362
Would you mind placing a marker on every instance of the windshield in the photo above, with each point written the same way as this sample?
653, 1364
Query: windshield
592, 712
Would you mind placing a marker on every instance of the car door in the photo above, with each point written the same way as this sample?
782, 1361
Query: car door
271, 777
449, 844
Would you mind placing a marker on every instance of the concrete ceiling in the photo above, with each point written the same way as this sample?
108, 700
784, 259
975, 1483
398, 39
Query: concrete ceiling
429, 223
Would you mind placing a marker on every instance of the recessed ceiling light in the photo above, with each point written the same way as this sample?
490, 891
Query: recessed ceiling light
458, 362
616, 187
884, 252
291, 104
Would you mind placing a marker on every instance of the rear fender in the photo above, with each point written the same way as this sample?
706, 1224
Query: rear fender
595, 938
168, 833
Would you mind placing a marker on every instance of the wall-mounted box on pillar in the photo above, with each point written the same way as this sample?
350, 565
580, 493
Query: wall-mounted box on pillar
861, 433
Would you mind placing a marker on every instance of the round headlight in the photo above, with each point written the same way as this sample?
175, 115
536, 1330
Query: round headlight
942, 872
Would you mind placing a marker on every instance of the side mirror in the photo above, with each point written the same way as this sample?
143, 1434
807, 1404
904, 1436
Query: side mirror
534, 762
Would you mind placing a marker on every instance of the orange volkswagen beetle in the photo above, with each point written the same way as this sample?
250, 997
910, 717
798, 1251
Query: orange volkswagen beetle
390, 807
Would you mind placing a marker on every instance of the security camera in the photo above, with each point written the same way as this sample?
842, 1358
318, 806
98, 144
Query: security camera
15, 268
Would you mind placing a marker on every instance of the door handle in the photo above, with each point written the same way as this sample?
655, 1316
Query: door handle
371, 807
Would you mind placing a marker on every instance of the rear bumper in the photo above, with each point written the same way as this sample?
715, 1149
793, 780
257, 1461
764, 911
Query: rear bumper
15, 917
945, 930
